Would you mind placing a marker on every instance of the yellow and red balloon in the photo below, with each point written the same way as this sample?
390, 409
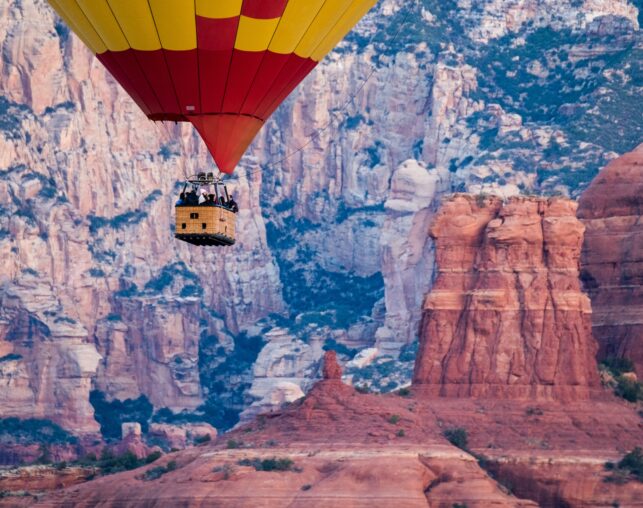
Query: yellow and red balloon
223, 65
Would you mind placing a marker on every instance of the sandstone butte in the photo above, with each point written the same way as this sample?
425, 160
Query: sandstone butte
530, 401
612, 258
506, 316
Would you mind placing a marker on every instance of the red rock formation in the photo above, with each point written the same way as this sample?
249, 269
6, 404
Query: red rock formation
42, 478
506, 316
332, 370
388, 450
132, 442
612, 258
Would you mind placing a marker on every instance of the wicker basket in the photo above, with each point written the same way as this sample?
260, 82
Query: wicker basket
205, 225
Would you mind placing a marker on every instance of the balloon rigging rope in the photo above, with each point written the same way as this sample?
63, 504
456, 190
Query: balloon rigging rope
348, 102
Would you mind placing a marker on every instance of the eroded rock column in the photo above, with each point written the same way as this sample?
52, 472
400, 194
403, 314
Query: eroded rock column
506, 316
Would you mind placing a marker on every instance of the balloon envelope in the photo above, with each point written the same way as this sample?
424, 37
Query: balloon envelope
223, 65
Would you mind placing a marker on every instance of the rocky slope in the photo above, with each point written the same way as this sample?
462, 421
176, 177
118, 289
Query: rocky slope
341, 447
612, 260
459, 95
506, 315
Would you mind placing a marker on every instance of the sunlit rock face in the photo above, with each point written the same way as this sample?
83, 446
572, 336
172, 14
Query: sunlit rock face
44, 353
612, 261
423, 98
284, 368
87, 192
407, 251
507, 316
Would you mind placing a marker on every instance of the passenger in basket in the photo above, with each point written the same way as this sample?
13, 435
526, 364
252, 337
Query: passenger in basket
232, 205
192, 198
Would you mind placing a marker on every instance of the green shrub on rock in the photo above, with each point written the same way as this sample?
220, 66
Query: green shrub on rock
457, 437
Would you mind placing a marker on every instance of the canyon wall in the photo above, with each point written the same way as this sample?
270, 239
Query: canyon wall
612, 259
423, 98
86, 237
506, 315
46, 364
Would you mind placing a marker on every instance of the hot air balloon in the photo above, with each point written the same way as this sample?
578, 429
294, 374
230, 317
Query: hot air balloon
223, 65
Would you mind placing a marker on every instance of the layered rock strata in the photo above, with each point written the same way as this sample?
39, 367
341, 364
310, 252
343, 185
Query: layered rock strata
506, 316
612, 257
285, 368
46, 362
338, 446
95, 291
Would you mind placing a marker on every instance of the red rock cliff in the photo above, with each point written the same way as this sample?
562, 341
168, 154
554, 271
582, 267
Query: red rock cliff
612, 258
506, 316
